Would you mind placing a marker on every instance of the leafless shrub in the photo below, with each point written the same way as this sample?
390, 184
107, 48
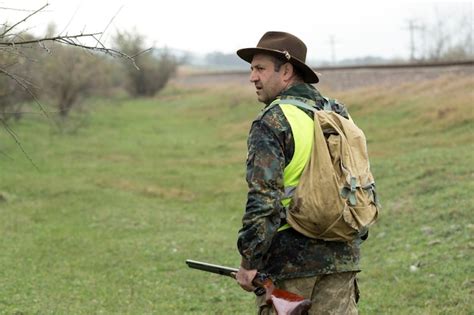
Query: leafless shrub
445, 39
16, 82
154, 68
70, 76
19, 50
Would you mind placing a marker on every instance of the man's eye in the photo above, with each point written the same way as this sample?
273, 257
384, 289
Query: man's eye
257, 68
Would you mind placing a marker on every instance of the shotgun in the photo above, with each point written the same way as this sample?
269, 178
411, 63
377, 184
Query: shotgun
284, 302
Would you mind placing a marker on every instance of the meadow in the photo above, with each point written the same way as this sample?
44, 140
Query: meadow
106, 222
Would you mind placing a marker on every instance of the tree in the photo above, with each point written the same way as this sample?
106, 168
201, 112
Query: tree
13, 83
443, 39
154, 68
16, 46
70, 76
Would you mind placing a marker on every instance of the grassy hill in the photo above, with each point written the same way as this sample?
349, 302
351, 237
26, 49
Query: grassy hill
105, 225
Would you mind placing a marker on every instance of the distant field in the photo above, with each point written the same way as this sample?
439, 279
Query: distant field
105, 225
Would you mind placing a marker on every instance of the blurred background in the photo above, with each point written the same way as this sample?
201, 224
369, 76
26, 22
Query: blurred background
182, 38
123, 129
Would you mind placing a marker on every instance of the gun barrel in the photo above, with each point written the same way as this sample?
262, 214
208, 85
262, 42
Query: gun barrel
285, 302
221, 270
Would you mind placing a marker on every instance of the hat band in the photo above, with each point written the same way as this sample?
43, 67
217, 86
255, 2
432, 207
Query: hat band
287, 54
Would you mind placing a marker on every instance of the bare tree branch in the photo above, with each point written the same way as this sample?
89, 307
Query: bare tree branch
73, 40
24, 84
19, 10
58, 38
6, 155
19, 34
31, 112
70, 20
110, 22
11, 39
19, 22
15, 137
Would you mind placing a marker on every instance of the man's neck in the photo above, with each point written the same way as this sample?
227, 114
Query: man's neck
290, 85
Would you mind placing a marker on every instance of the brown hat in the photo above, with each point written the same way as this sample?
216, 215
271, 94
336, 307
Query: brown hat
284, 46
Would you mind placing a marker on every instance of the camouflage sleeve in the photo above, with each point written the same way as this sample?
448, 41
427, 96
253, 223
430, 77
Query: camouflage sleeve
265, 165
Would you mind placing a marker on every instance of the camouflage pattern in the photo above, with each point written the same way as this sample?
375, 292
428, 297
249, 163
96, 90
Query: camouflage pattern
331, 294
286, 254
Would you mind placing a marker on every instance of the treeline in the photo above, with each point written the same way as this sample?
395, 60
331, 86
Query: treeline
59, 74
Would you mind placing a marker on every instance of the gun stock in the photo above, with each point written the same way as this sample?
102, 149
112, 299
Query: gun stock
284, 302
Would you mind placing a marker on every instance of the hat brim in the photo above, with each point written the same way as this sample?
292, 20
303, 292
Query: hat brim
309, 76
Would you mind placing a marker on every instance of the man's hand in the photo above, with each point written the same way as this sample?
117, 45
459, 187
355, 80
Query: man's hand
244, 278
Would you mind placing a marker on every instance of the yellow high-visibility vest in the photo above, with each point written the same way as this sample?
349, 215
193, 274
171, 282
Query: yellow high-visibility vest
302, 128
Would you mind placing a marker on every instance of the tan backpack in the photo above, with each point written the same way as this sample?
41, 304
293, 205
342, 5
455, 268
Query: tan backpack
335, 199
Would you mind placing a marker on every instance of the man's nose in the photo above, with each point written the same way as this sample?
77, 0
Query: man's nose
253, 77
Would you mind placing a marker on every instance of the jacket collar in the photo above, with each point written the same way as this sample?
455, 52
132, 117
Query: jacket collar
302, 90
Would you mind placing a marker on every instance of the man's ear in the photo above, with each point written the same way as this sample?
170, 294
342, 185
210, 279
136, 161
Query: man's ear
288, 71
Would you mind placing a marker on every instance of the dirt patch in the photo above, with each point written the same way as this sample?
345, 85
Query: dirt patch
144, 189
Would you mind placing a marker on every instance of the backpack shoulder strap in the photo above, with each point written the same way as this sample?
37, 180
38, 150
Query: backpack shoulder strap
328, 104
309, 105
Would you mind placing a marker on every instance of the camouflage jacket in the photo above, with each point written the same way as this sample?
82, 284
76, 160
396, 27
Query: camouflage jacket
286, 254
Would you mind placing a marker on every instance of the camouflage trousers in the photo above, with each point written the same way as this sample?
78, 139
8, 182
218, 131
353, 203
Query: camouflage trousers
331, 294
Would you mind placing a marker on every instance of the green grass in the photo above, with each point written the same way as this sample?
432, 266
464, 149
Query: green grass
105, 225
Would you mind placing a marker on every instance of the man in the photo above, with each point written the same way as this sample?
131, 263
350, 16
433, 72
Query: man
322, 271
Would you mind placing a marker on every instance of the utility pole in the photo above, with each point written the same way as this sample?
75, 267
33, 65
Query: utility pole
412, 27
332, 42
424, 49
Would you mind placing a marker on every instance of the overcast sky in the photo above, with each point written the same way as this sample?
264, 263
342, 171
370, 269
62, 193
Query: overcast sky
359, 28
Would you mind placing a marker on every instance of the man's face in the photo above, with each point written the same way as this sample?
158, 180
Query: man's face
267, 81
